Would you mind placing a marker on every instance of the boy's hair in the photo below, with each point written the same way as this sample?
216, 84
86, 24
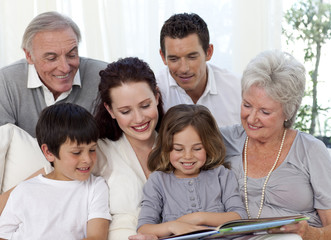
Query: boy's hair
183, 24
63, 121
176, 120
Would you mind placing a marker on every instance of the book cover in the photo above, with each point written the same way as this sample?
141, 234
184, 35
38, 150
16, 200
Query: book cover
239, 227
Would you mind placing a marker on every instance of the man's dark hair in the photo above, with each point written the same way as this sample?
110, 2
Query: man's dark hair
183, 24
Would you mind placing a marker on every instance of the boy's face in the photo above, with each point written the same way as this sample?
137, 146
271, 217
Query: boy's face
75, 162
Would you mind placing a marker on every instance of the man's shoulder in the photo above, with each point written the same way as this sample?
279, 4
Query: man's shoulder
164, 79
90, 62
15, 75
162, 73
21, 64
224, 80
222, 71
89, 70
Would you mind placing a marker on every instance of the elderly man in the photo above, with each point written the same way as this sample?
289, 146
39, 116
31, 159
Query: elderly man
52, 72
188, 78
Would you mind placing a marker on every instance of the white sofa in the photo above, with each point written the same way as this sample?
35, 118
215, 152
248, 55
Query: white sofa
20, 156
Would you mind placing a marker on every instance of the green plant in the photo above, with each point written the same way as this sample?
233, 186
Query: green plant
309, 21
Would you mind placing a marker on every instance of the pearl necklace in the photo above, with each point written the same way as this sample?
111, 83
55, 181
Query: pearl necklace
266, 180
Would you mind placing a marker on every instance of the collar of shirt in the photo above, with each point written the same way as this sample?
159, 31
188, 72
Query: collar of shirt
210, 87
35, 82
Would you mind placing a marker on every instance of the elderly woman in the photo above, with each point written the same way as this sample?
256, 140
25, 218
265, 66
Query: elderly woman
281, 171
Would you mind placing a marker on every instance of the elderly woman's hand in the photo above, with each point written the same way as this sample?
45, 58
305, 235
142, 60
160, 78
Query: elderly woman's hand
301, 228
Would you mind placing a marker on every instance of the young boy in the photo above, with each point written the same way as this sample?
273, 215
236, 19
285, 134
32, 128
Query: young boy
69, 202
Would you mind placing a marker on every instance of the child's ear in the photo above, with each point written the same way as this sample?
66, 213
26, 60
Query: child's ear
48, 155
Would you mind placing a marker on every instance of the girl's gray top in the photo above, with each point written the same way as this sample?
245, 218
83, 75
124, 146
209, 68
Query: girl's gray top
167, 197
300, 185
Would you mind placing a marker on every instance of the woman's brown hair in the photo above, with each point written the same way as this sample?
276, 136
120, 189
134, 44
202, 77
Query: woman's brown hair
126, 70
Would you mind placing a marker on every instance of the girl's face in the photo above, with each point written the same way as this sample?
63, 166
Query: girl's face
261, 116
188, 154
134, 106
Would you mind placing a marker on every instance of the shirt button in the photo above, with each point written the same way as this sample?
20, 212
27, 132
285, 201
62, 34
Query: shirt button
190, 183
192, 198
190, 190
193, 205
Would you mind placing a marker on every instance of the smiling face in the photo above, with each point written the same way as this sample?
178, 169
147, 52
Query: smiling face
134, 106
75, 162
186, 60
188, 154
55, 57
261, 116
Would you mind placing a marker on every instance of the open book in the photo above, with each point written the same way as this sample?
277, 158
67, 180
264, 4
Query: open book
240, 227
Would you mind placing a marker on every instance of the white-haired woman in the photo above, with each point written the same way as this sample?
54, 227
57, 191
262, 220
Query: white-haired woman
281, 171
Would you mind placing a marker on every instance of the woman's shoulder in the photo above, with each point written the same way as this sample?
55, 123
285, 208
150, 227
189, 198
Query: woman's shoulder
106, 142
106, 145
307, 140
234, 138
307, 149
233, 133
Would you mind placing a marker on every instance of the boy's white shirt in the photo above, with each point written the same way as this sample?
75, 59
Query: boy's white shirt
41, 208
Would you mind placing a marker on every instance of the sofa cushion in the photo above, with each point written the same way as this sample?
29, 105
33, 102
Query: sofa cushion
20, 156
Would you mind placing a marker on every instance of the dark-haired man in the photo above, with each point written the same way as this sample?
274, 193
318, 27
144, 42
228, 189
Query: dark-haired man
188, 78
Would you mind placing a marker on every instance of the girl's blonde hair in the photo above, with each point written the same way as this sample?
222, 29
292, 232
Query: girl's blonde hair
176, 120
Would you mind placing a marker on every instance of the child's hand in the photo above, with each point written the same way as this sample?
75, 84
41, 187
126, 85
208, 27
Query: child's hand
183, 227
191, 218
141, 236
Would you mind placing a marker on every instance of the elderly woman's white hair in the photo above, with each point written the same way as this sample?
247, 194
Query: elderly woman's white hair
282, 77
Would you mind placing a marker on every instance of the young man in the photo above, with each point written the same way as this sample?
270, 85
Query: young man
69, 202
188, 78
52, 72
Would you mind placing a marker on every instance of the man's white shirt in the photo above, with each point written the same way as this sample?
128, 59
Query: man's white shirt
222, 95
35, 82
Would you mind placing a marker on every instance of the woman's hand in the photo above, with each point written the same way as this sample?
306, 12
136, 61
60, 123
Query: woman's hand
301, 228
141, 236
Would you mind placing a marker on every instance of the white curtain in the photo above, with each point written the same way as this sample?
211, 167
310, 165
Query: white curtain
113, 29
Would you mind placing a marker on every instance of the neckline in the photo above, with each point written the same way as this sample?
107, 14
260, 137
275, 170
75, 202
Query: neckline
286, 160
267, 177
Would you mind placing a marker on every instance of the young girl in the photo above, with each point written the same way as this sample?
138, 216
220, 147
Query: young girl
190, 187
